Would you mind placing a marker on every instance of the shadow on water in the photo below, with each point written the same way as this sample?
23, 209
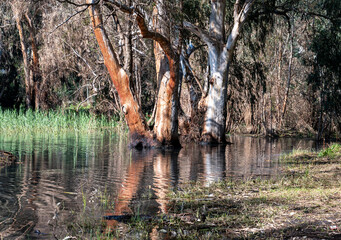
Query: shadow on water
60, 175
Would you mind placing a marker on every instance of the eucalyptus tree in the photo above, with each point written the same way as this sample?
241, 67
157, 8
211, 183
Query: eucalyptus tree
220, 52
220, 55
166, 126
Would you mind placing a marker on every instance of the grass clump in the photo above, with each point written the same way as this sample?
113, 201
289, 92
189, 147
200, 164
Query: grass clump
332, 151
12, 121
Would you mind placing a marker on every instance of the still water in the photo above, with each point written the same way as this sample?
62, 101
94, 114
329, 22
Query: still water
59, 176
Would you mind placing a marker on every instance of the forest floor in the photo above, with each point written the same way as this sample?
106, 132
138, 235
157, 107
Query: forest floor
302, 203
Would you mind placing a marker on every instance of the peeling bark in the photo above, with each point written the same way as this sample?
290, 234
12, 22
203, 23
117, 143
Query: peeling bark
140, 136
220, 56
166, 120
167, 67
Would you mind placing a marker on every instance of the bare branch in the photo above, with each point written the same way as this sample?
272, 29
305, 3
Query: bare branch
236, 9
93, 95
199, 32
7, 25
194, 75
121, 6
78, 55
67, 19
78, 4
246, 10
146, 33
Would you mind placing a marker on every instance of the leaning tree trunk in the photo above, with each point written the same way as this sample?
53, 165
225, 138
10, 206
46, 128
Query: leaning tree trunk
140, 136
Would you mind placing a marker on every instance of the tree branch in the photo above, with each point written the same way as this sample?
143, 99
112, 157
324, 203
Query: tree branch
78, 4
68, 18
204, 36
245, 10
146, 33
193, 73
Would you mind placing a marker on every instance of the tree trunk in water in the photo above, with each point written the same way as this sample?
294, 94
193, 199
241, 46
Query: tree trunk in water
167, 69
215, 101
140, 136
215, 106
166, 119
220, 55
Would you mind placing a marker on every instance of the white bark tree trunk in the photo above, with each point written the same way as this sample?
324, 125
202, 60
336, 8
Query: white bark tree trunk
220, 55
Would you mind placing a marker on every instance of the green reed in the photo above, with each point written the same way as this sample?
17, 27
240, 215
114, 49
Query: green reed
12, 121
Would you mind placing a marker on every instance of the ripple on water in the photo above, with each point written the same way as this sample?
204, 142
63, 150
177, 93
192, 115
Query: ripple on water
59, 174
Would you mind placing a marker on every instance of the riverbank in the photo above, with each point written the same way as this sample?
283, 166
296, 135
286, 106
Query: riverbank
12, 121
302, 203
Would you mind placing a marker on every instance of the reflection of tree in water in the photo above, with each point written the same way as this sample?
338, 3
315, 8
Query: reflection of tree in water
53, 170
152, 173
57, 171
145, 184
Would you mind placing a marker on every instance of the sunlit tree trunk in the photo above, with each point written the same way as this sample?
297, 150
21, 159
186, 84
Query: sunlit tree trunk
220, 55
167, 69
140, 136
166, 120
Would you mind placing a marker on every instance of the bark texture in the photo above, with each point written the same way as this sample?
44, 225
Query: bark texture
140, 136
166, 120
220, 55
167, 69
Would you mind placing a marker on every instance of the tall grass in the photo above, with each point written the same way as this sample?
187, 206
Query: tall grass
12, 121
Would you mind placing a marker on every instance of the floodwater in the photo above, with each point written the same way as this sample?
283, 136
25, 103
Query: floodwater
59, 177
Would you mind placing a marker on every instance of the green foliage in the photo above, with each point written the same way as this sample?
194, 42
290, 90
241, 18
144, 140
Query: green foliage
331, 151
325, 79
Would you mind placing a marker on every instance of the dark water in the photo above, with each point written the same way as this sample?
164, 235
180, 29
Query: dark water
61, 176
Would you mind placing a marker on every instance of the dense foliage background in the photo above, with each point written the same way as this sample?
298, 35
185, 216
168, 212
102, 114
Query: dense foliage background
285, 76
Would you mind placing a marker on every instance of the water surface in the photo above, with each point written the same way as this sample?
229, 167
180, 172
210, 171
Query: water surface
59, 176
